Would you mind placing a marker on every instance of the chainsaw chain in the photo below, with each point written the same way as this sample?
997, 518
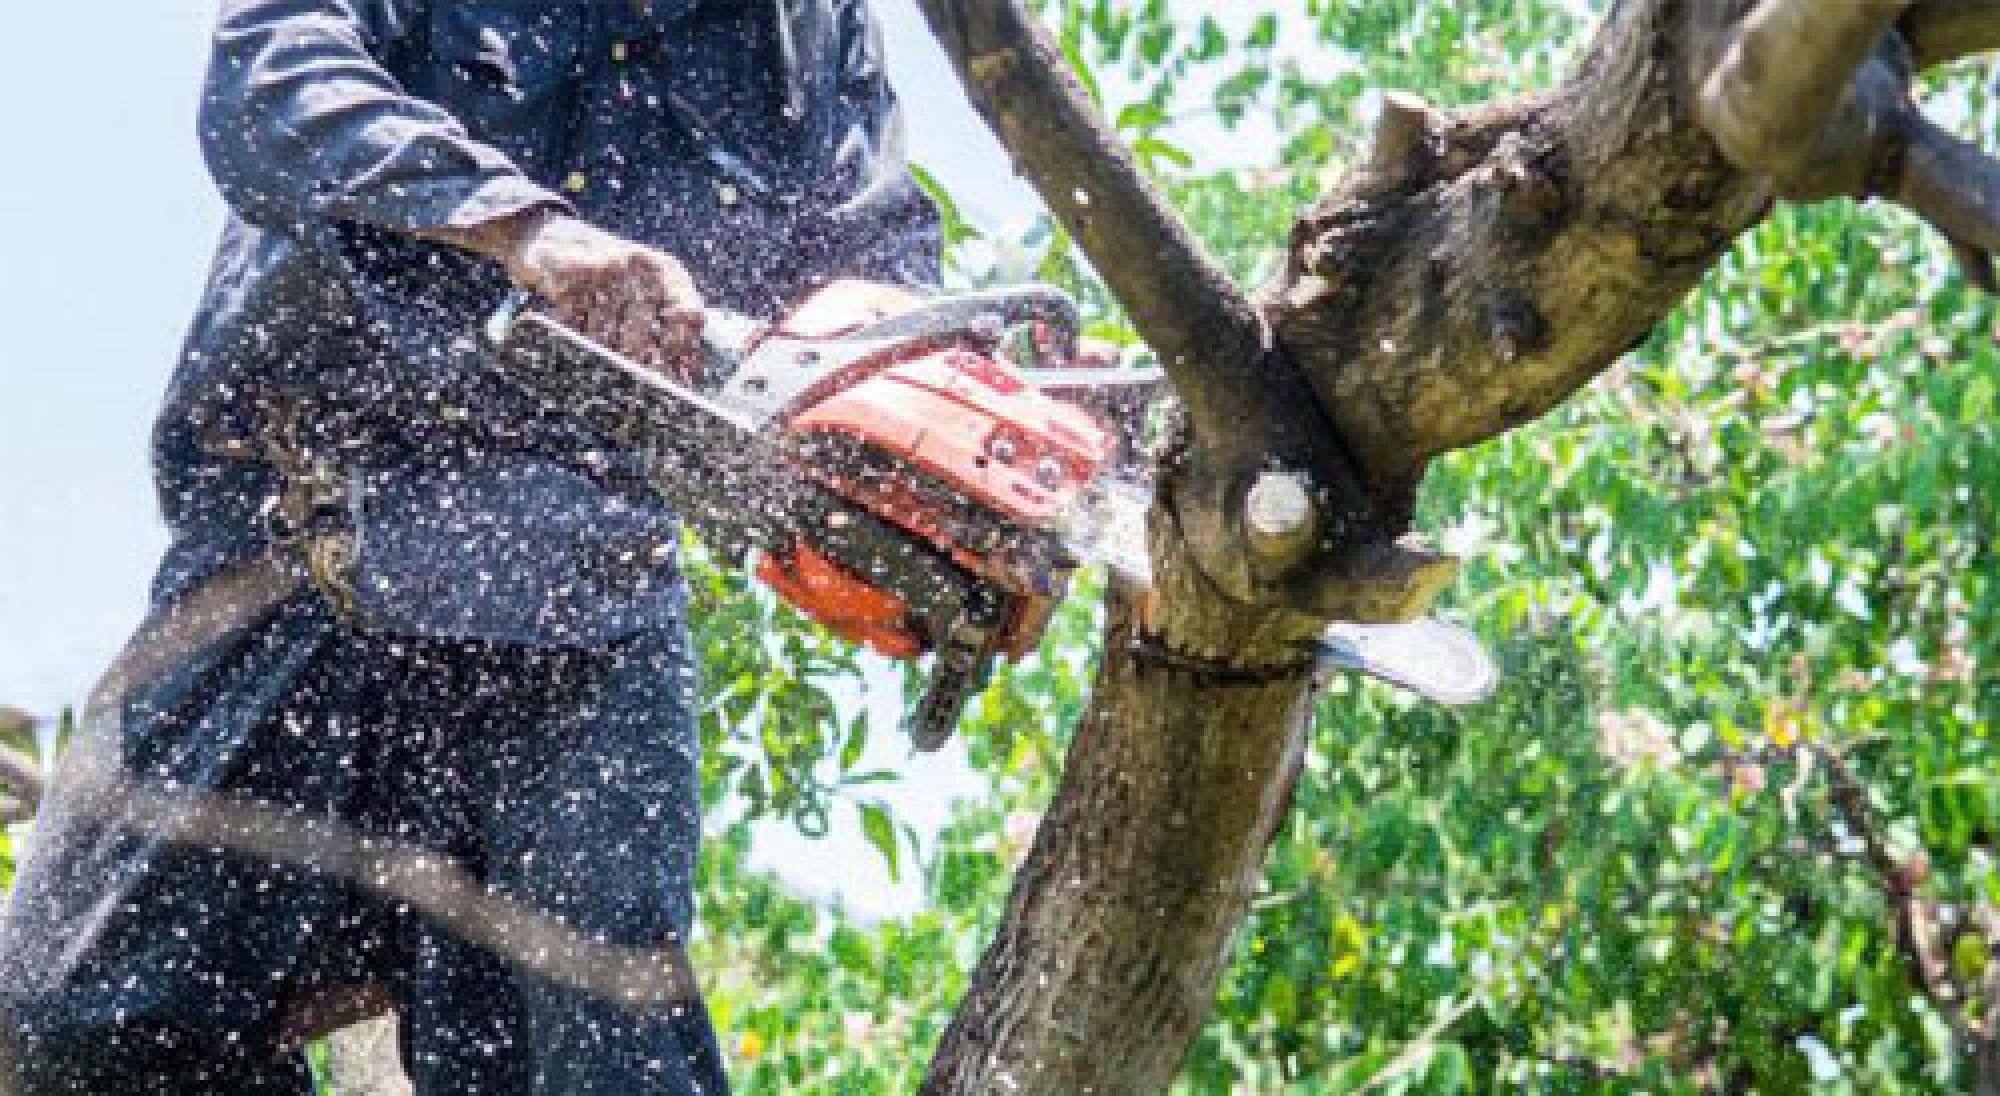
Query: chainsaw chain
1208, 670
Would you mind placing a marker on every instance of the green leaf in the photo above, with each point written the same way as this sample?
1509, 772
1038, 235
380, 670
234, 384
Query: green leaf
1153, 148
880, 831
953, 223
857, 741
1263, 32
1141, 115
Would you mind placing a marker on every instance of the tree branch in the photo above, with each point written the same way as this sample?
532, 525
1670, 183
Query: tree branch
1781, 74
1951, 184
1916, 942
1516, 252
1203, 327
1946, 30
1816, 97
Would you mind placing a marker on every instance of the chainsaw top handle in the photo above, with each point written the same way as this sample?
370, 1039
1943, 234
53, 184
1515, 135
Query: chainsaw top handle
989, 314
986, 314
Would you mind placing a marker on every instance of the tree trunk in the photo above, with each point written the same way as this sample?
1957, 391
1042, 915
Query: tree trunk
1121, 917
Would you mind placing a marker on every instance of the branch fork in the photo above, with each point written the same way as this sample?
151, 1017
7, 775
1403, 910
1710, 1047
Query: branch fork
1248, 407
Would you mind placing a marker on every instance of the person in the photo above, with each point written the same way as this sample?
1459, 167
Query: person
403, 607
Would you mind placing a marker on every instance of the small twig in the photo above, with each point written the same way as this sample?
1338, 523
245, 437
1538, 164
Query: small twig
1406, 1059
1898, 880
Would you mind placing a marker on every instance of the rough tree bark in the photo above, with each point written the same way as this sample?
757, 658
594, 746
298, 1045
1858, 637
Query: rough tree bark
1479, 268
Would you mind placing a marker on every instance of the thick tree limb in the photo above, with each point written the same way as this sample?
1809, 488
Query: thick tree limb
1516, 253
1945, 30
1781, 74
1203, 327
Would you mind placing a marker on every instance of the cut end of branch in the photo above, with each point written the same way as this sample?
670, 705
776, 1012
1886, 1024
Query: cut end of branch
1400, 134
1279, 518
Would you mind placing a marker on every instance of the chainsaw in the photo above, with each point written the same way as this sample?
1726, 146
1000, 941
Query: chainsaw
906, 472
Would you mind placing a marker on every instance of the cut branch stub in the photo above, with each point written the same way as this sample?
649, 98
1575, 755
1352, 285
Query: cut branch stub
1269, 532
1403, 131
1280, 517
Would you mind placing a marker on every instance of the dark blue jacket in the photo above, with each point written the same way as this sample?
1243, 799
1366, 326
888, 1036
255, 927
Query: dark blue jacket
757, 140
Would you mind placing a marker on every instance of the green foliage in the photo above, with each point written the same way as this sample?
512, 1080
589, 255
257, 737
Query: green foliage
774, 743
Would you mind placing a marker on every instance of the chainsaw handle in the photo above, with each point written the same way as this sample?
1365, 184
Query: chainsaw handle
987, 311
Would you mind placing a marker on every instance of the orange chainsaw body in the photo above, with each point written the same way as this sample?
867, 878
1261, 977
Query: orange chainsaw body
942, 426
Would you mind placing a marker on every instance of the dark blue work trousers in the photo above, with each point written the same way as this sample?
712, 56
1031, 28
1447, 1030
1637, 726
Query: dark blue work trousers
565, 779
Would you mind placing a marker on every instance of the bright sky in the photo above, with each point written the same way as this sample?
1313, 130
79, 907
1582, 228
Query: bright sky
107, 221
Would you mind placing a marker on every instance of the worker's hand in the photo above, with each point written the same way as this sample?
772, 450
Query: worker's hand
629, 297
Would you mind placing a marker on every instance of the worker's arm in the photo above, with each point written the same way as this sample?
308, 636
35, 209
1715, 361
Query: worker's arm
301, 121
